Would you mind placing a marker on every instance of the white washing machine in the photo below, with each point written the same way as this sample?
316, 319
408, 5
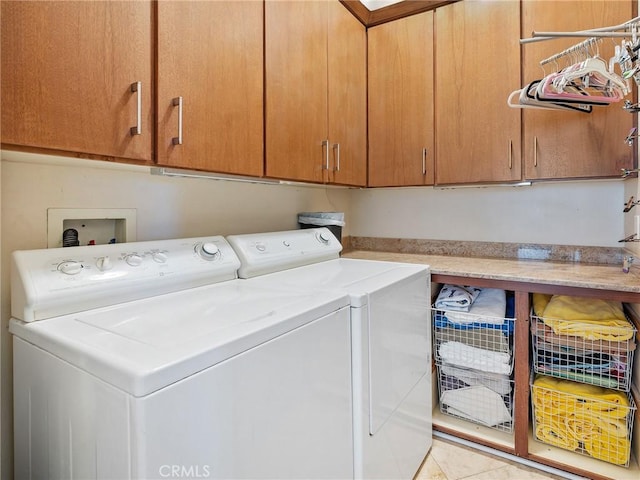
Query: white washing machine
391, 342
151, 360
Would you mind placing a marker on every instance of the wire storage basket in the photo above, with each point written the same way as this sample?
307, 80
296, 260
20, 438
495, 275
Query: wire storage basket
478, 397
587, 340
471, 340
474, 352
482, 347
583, 418
598, 360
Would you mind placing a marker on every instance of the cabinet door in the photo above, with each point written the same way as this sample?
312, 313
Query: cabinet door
401, 102
297, 144
67, 70
477, 65
211, 55
347, 63
565, 144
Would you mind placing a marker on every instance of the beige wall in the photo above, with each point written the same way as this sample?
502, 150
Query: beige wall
563, 213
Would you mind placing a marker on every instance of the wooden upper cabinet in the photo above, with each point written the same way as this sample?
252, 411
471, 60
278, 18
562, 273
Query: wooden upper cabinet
478, 137
296, 90
67, 71
401, 105
210, 54
315, 92
347, 97
566, 144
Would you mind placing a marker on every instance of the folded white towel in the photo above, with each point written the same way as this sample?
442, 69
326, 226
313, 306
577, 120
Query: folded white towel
461, 355
456, 297
489, 307
477, 403
497, 382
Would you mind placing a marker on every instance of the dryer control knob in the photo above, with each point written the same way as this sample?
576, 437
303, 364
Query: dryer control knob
324, 238
104, 264
208, 250
70, 267
133, 259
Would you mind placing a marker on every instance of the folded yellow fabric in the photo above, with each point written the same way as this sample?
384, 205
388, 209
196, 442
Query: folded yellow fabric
551, 430
578, 416
590, 318
548, 394
610, 449
543, 333
551, 402
584, 425
540, 302
580, 426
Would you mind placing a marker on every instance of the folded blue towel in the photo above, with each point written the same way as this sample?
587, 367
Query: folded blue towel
440, 320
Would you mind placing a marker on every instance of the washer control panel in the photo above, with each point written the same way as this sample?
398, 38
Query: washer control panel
262, 253
51, 282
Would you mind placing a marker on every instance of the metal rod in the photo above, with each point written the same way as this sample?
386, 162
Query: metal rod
610, 32
582, 46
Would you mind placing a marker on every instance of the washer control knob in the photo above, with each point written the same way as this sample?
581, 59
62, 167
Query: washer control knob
324, 238
133, 259
159, 257
208, 250
286, 243
70, 267
261, 247
104, 264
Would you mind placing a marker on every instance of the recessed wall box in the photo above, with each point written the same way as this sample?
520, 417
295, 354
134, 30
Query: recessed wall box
94, 225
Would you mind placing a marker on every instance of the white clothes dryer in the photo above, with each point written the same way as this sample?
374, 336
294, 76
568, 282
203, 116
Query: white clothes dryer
391, 342
151, 360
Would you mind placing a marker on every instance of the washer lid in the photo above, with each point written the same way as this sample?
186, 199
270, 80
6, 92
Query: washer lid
358, 278
147, 344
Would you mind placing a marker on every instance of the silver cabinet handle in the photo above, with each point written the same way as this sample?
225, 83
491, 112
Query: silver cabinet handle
336, 147
136, 87
510, 156
325, 147
177, 102
535, 151
424, 161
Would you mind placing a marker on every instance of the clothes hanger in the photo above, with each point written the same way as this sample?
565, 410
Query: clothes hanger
519, 99
596, 70
588, 81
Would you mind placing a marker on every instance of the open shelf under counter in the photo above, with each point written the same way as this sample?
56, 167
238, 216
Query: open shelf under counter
474, 432
581, 464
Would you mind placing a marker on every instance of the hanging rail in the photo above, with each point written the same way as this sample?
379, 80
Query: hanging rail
580, 47
608, 32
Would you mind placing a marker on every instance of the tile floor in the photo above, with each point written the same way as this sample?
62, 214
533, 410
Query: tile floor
450, 461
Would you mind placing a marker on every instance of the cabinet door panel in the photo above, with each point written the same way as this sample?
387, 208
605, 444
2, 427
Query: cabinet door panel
566, 144
296, 89
211, 54
478, 136
347, 47
401, 105
67, 70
